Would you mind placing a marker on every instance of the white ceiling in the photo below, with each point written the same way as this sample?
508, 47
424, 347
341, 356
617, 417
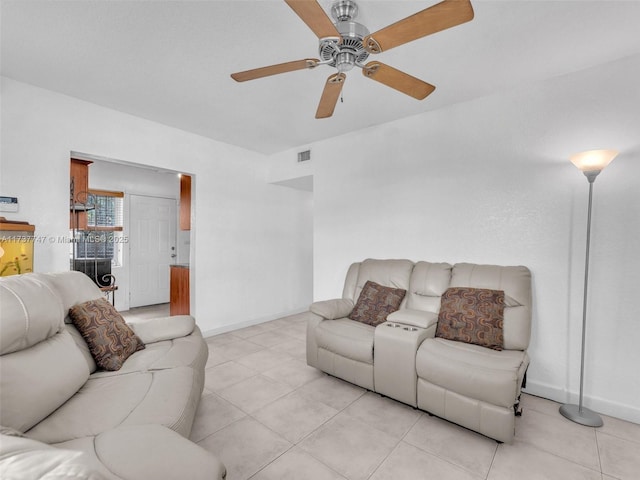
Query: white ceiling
169, 61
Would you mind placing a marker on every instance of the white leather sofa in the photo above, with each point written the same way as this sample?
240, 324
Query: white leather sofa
61, 417
471, 385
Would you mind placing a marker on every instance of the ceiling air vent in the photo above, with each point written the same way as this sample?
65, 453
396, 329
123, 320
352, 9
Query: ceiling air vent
304, 156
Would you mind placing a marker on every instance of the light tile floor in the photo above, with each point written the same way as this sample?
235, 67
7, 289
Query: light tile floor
269, 416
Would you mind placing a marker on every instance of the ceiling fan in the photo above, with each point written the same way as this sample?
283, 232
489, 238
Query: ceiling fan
346, 44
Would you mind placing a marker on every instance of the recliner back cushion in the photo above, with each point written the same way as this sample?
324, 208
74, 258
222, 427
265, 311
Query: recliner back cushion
428, 283
351, 282
389, 273
516, 284
37, 354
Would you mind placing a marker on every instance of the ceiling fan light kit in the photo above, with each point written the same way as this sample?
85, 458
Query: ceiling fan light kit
345, 44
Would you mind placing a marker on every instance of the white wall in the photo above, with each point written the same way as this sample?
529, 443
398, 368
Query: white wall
489, 181
249, 255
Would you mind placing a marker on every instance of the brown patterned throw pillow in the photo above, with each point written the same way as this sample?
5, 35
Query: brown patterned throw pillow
376, 302
111, 341
472, 315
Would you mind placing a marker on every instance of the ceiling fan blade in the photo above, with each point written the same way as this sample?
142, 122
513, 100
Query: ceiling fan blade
436, 18
311, 13
275, 69
403, 82
330, 95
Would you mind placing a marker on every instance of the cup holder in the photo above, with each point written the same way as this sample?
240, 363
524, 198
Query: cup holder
393, 325
410, 329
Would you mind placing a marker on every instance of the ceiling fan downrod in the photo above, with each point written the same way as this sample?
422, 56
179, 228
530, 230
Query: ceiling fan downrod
344, 10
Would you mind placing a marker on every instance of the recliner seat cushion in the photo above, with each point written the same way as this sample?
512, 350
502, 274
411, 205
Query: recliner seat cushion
347, 338
473, 371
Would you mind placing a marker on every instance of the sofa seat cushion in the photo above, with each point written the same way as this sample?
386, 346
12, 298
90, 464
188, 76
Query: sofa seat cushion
473, 371
347, 338
164, 397
190, 351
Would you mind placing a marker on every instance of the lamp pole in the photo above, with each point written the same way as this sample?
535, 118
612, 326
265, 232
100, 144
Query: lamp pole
591, 163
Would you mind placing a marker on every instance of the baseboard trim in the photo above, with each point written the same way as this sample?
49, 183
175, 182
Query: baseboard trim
250, 323
601, 405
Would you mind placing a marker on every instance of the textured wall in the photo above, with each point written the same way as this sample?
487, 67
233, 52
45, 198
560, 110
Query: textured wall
489, 181
250, 248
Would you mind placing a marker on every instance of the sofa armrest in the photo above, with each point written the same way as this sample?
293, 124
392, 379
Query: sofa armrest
153, 451
415, 318
332, 309
153, 330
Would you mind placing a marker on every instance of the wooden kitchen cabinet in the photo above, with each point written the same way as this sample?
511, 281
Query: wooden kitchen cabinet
179, 290
78, 193
185, 202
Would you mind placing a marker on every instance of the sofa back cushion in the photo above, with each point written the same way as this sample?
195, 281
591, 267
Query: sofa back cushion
30, 310
515, 282
428, 282
37, 354
389, 273
73, 288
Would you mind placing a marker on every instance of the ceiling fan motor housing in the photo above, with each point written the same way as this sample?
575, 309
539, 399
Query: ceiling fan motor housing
346, 55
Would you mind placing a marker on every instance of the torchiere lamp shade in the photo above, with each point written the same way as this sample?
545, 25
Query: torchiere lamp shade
593, 160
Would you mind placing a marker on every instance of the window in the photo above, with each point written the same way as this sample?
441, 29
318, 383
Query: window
103, 237
107, 214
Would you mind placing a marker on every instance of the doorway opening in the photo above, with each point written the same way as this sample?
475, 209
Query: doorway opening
151, 238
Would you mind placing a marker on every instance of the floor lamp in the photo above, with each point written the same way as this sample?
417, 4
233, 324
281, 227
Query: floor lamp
591, 163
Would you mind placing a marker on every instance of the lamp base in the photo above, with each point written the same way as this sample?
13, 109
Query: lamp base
582, 416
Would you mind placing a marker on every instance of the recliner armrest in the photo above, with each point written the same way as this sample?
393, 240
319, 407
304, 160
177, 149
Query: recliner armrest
415, 318
163, 328
332, 309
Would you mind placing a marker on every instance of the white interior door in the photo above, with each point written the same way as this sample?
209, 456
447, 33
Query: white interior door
152, 243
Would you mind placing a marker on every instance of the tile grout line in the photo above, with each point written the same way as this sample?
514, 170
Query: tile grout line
395, 447
495, 452
444, 459
595, 434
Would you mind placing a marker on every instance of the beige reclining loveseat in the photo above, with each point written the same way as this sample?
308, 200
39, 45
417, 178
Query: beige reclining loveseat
62, 417
472, 385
